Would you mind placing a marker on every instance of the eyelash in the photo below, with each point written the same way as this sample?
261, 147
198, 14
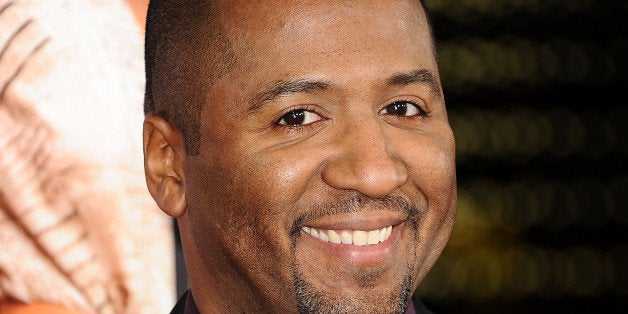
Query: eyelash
295, 128
422, 111
302, 128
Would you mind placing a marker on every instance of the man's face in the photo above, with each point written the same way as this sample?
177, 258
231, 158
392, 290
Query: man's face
330, 127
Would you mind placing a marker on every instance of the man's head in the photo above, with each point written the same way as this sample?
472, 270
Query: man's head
316, 122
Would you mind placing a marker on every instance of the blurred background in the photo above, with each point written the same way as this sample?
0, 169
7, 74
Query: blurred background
535, 92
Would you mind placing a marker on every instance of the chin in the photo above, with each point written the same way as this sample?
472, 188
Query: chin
368, 299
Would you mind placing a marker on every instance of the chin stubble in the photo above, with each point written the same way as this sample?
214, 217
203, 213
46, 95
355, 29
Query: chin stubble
309, 300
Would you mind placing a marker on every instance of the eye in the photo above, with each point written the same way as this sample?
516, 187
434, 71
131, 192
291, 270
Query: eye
299, 117
403, 108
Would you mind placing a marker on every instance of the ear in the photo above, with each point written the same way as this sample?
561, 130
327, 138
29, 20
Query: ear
164, 154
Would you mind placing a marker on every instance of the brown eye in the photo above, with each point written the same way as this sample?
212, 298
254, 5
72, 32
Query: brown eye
299, 117
403, 109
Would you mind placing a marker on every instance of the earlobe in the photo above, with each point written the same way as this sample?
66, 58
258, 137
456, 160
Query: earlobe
164, 154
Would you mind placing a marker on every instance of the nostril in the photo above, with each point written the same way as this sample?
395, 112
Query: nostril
401, 173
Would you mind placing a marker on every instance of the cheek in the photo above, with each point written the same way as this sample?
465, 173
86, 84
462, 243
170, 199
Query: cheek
283, 176
432, 168
239, 219
432, 174
253, 193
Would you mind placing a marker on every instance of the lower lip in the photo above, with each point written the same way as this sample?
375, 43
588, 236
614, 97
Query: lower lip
357, 254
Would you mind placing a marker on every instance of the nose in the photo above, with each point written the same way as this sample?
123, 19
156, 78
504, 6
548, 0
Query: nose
364, 162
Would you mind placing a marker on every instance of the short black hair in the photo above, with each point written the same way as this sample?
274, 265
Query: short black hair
186, 50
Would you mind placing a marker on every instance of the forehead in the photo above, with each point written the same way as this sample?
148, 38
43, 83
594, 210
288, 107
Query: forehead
285, 13
279, 39
333, 22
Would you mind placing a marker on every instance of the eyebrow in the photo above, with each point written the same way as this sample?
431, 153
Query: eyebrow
285, 88
420, 76
289, 87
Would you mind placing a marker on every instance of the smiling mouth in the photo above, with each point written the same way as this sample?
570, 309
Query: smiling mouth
355, 237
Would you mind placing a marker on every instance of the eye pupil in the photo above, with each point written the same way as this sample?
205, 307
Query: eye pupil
398, 108
296, 117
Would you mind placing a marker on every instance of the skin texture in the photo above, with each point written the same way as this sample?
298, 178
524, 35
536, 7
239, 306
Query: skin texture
351, 160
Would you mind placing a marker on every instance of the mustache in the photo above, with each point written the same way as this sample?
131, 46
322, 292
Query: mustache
355, 203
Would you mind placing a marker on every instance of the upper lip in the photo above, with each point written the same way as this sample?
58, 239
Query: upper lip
362, 220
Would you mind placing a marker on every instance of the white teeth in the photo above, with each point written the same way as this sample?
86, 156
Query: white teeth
373, 237
383, 234
360, 237
346, 237
333, 236
323, 236
356, 237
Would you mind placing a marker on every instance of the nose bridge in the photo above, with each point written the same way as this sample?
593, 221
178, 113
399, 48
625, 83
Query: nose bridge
365, 161
365, 139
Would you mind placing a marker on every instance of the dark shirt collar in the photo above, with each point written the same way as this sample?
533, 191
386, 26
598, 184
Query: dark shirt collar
190, 305
185, 305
